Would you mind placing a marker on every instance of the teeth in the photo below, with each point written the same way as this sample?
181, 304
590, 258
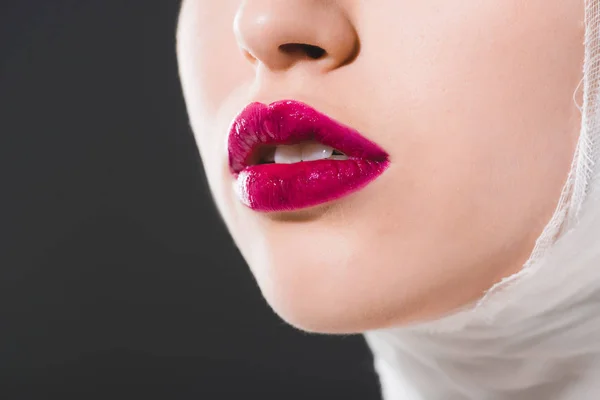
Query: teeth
288, 154
303, 152
339, 157
316, 151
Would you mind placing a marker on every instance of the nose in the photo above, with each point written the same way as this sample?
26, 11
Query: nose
280, 34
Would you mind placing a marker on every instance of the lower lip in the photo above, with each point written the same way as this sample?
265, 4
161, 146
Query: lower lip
290, 187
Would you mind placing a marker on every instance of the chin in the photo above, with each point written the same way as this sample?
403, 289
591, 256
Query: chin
317, 303
317, 315
329, 290
341, 316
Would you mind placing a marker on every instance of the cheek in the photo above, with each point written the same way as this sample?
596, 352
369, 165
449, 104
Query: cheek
468, 67
476, 101
210, 61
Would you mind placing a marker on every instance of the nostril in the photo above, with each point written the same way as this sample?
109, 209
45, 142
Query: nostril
314, 52
248, 56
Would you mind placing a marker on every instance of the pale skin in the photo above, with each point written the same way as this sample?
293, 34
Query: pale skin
474, 101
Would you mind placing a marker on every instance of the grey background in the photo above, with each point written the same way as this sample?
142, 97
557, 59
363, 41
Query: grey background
117, 277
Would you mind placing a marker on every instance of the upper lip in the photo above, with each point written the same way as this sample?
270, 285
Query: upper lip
289, 122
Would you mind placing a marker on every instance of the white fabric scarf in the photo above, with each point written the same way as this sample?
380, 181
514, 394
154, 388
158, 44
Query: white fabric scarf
535, 335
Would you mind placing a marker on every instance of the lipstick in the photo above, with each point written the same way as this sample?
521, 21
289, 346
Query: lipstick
287, 156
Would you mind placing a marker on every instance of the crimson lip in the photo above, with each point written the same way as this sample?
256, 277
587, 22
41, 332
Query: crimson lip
288, 187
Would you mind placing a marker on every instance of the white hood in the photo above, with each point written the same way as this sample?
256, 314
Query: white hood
536, 334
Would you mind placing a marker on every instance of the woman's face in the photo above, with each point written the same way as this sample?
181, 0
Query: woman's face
473, 102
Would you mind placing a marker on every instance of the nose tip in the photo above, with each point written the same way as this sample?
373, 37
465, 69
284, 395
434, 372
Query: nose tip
282, 33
